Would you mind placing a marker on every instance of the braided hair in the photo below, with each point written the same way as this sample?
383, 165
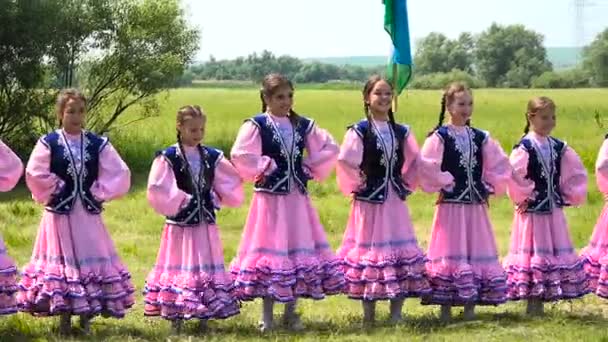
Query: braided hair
535, 105
270, 85
367, 90
183, 114
447, 98
62, 99
441, 115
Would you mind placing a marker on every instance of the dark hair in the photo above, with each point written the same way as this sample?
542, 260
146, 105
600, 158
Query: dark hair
184, 114
447, 98
535, 105
270, 85
62, 99
367, 90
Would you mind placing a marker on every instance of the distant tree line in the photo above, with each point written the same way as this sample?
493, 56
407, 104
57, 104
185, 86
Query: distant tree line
255, 66
502, 56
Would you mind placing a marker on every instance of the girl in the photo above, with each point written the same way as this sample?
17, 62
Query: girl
188, 280
465, 166
542, 265
377, 167
594, 256
11, 170
74, 269
284, 254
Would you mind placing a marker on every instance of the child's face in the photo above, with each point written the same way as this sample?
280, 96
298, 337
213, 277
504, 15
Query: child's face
280, 102
192, 130
461, 108
72, 117
543, 121
380, 97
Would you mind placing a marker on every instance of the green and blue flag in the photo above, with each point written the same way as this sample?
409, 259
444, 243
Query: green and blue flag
399, 69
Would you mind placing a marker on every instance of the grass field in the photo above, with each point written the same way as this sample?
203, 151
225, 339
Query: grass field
136, 228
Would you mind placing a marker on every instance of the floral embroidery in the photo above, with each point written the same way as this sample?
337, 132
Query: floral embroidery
287, 141
197, 164
276, 137
554, 155
547, 156
202, 180
382, 146
293, 152
66, 156
86, 157
466, 147
297, 139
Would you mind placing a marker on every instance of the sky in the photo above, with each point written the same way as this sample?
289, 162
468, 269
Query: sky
337, 28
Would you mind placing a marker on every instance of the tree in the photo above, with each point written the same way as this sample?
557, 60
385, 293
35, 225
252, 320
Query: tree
144, 51
288, 66
436, 53
260, 65
510, 55
257, 65
595, 59
121, 53
461, 55
78, 27
25, 33
185, 80
318, 73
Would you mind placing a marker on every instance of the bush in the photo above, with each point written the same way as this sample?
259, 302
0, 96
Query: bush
441, 79
572, 78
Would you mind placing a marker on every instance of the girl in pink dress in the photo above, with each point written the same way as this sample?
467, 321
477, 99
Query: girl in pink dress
74, 269
11, 170
377, 168
542, 265
465, 166
189, 280
284, 254
595, 255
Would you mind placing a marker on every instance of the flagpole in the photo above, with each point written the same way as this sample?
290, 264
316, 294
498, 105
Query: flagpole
395, 94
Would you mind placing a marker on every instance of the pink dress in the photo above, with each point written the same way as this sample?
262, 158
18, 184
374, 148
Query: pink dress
542, 262
595, 255
463, 265
188, 279
11, 170
284, 253
380, 252
74, 267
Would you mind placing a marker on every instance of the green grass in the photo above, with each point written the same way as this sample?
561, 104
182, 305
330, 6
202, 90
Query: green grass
136, 229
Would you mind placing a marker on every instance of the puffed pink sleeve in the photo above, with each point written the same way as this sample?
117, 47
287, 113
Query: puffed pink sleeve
519, 188
322, 153
11, 168
227, 184
348, 171
573, 179
497, 171
114, 178
246, 154
163, 194
431, 178
601, 168
38, 176
411, 157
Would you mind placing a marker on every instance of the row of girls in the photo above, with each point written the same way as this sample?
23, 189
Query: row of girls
284, 255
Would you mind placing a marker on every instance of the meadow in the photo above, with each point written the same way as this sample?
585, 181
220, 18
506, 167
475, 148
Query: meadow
136, 228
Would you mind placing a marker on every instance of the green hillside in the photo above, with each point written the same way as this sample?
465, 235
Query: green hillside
561, 57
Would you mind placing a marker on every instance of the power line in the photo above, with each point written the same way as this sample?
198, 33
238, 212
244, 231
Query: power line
581, 19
